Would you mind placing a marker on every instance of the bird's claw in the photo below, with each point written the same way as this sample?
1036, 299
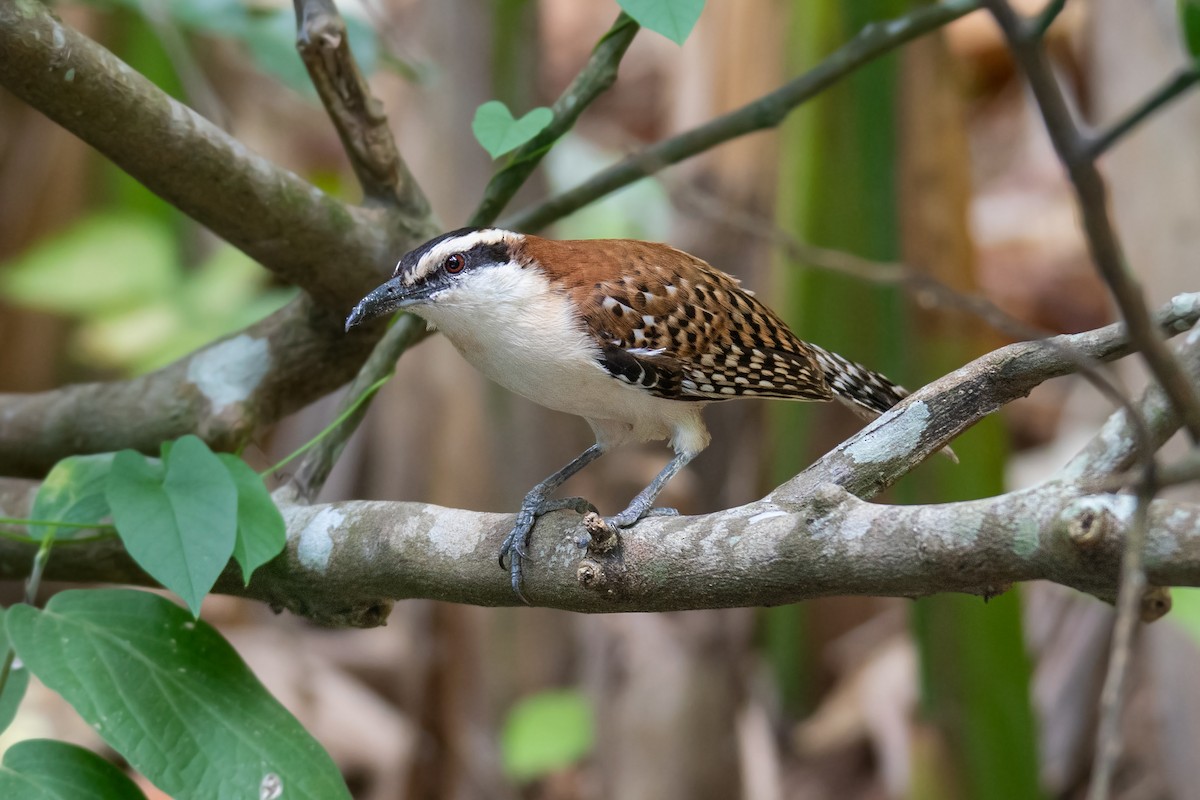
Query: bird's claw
514, 544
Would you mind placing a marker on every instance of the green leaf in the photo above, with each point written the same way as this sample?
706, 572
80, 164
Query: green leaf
178, 518
73, 492
104, 264
674, 19
14, 687
499, 133
546, 732
261, 531
1185, 611
42, 769
1189, 25
171, 696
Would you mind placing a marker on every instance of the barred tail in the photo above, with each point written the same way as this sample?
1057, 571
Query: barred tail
868, 394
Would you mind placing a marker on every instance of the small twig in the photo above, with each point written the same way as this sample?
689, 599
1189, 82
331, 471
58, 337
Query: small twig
200, 93
1110, 455
1183, 80
1185, 470
1045, 19
356, 114
597, 75
873, 41
1091, 196
405, 332
1129, 602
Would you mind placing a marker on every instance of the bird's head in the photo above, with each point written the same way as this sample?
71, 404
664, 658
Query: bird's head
447, 269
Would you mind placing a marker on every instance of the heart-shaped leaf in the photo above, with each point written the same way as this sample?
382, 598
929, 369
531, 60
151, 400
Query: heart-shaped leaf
261, 531
499, 133
171, 696
41, 769
178, 517
674, 19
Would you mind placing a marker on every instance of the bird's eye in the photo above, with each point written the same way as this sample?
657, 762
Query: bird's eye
455, 263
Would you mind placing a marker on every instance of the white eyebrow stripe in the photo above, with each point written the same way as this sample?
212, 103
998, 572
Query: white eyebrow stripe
431, 260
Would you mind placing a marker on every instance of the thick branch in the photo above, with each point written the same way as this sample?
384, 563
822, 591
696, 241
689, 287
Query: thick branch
331, 250
346, 562
768, 111
224, 393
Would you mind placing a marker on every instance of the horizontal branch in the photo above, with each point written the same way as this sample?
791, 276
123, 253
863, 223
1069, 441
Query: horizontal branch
224, 393
346, 562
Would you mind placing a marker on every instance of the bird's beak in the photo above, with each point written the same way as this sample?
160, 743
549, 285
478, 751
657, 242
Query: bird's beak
387, 298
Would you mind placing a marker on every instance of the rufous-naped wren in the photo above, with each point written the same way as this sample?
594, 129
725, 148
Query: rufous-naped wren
635, 337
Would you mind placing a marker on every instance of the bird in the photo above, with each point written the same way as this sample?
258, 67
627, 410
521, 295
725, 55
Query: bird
635, 337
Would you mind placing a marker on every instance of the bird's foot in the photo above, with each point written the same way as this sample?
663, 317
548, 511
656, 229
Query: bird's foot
517, 540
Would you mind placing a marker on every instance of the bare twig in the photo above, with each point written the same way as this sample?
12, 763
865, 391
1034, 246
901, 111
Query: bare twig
597, 75
1074, 151
1110, 453
1045, 19
356, 114
872, 42
1125, 627
1183, 80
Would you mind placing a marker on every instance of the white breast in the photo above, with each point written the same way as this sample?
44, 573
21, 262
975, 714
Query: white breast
512, 326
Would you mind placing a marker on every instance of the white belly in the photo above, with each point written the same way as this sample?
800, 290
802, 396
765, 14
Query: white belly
537, 348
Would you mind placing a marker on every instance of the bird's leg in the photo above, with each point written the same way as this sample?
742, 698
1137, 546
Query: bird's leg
642, 504
536, 504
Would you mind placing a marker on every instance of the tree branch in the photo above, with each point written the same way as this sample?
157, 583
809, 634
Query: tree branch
356, 114
346, 562
874, 41
1074, 151
224, 393
331, 250
1175, 86
933, 415
230, 389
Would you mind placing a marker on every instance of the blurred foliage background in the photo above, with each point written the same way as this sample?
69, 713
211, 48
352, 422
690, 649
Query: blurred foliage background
931, 156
